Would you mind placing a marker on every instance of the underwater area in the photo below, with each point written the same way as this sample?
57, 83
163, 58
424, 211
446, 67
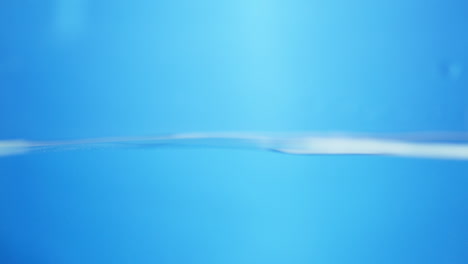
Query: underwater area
233, 131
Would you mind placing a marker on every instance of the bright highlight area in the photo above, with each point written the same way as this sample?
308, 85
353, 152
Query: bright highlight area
301, 145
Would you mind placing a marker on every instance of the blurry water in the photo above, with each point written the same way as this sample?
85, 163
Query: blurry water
380, 71
420, 145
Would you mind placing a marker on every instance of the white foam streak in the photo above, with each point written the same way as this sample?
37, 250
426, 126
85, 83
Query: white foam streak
366, 146
299, 145
13, 147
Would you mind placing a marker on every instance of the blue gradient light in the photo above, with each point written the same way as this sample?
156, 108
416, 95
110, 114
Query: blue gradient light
83, 69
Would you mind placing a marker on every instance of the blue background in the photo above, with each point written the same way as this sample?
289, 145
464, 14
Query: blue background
79, 69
